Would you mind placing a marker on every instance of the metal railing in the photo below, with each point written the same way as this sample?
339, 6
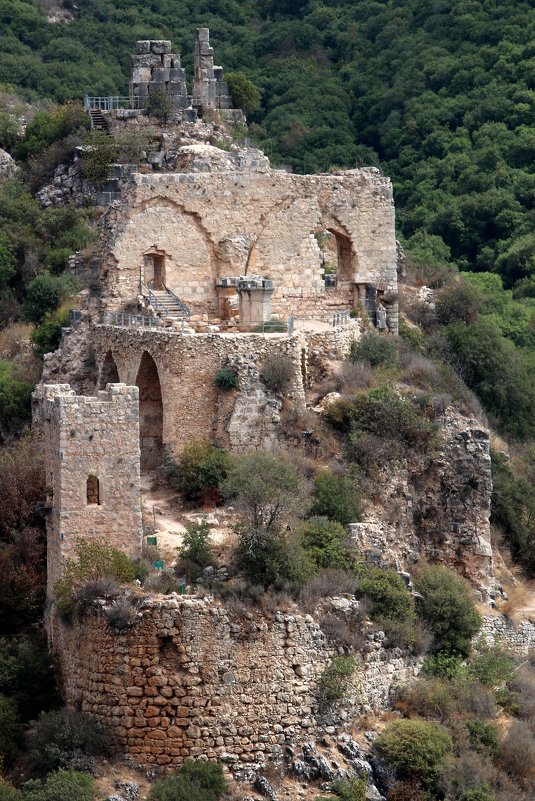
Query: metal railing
142, 323
111, 103
340, 318
182, 306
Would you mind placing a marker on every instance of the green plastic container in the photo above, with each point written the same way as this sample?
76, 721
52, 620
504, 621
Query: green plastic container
152, 540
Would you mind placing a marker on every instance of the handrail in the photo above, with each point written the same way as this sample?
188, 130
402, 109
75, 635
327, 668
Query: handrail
152, 298
140, 322
182, 306
109, 103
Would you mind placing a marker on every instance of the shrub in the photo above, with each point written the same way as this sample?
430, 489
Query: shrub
122, 614
273, 558
492, 666
269, 489
375, 349
9, 731
94, 560
194, 781
226, 379
352, 789
200, 472
65, 785
99, 153
483, 736
336, 497
162, 582
386, 591
46, 337
327, 544
63, 739
335, 678
517, 751
24, 662
9, 793
196, 544
444, 666
448, 609
342, 631
458, 303
15, 400
277, 371
415, 748
327, 584
160, 105
244, 93
45, 293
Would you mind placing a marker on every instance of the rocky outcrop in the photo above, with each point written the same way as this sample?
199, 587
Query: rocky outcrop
8, 168
436, 505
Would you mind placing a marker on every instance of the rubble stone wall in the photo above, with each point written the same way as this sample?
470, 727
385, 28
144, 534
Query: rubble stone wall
92, 464
518, 637
212, 225
191, 678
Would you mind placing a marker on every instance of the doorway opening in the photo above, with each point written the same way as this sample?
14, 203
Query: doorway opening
150, 413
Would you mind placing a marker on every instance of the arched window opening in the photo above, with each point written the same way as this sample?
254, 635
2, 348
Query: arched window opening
93, 490
150, 413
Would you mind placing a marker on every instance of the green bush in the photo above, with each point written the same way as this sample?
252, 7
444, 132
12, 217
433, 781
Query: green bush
47, 336
336, 497
447, 607
194, 781
226, 379
443, 665
386, 591
326, 543
25, 661
458, 303
65, 785
352, 789
65, 739
513, 509
244, 93
273, 558
378, 350
99, 152
196, 544
484, 737
160, 105
415, 748
334, 680
200, 472
15, 400
492, 666
9, 793
94, 560
45, 293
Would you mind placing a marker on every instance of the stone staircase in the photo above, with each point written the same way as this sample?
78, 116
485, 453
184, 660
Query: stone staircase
98, 121
168, 305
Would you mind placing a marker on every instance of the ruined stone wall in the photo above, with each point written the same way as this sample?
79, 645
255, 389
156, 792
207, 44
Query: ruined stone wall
517, 637
92, 470
192, 678
437, 505
218, 224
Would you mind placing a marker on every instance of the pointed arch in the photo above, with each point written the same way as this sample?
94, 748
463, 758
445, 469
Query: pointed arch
109, 374
150, 413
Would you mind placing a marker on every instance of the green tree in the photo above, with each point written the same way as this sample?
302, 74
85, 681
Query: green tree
200, 472
448, 608
160, 105
244, 93
336, 497
45, 293
386, 591
326, 542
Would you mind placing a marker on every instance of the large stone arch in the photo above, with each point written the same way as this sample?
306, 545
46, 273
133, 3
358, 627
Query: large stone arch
162, 226
150, 413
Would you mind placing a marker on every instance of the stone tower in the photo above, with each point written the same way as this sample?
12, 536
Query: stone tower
154, 68
92, 470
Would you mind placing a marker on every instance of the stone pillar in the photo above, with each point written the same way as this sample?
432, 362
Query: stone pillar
255, 300
154, 68
210, 90
226, 290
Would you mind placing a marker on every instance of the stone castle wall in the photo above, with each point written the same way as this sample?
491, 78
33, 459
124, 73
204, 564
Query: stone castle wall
191, 678
92, 462
516, 637
211, 225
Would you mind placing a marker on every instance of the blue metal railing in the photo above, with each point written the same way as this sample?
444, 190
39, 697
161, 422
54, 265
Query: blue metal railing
112, 102
182, 306
340, 318
142, 323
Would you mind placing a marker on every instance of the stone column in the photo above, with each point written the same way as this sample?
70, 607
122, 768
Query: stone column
255, 300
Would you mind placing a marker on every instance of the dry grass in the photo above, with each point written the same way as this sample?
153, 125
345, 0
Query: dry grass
14, 340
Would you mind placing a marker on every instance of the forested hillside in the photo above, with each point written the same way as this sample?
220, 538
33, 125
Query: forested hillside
440, 94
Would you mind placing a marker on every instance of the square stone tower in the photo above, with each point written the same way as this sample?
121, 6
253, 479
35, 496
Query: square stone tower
92, 460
